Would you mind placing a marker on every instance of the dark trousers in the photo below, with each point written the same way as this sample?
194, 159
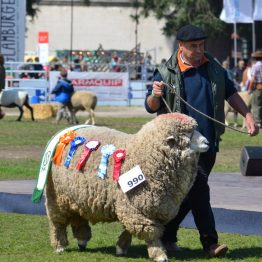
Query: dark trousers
198, 201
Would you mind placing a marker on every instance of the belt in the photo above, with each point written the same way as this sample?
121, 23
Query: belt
259, 86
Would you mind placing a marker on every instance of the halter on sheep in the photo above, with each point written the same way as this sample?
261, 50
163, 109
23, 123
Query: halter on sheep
15, 98
166, 149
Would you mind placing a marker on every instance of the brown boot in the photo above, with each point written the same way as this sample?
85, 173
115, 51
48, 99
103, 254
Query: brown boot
217, 250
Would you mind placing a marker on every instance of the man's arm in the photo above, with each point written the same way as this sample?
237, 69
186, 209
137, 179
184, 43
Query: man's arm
239, 105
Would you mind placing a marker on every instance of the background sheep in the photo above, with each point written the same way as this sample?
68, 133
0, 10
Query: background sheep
166, 149
15, 98
85, 101
247, 99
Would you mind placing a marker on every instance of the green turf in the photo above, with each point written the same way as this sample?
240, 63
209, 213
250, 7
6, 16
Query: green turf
25, 238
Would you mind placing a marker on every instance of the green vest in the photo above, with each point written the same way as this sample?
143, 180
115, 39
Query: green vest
171, 74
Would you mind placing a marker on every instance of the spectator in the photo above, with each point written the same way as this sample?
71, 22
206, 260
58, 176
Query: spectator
238, 74
225, 65
256, 85
37, 67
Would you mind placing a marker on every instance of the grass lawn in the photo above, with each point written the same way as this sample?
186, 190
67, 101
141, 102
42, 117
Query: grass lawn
27, 136
25, 238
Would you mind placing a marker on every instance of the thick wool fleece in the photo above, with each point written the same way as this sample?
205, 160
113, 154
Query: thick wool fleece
169, 169
84, 100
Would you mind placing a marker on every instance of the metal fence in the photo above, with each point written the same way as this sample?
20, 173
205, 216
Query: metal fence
34, 77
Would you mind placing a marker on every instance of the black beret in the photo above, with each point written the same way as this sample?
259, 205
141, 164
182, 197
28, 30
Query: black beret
190, 33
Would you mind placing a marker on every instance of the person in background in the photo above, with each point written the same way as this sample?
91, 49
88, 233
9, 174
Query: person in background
192, 70
256, 85
2, 80
238, 74
247, 74
225, 65
63, 92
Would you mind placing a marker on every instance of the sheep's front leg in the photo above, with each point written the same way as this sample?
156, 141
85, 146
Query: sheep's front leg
123, 243
156, 251
58, 236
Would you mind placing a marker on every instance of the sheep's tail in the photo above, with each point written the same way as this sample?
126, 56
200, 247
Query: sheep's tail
93, 106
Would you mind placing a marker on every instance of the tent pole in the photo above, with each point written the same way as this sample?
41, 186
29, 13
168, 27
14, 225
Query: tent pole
235, 44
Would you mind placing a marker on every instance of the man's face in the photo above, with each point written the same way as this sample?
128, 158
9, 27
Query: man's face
193, 50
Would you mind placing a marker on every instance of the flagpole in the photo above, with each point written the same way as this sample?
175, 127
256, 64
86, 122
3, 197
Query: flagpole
235, 44
253, 36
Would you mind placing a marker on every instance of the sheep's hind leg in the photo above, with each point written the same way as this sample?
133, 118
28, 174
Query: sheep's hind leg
156, 251
81, 231
58, 236
123, 243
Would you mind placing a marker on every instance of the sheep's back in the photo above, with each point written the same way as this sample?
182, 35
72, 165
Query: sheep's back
83, 191
84, 100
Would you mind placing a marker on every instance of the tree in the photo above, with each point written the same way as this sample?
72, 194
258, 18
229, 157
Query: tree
203, 13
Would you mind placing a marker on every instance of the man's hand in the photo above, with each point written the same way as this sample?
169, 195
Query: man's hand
251, 125
157, 90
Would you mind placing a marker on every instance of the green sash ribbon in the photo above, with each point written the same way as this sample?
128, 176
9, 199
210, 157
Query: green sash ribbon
47, 160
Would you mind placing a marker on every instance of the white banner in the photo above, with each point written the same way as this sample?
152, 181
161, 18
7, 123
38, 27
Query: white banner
12, 30
237, 11
107, 86
257, 10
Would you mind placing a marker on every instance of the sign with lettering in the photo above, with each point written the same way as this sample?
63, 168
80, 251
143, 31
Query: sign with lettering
12, 30
108, 86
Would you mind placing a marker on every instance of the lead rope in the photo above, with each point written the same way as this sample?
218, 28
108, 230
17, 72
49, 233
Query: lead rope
172, 88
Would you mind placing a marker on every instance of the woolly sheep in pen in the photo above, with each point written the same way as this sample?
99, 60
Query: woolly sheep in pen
227, 108
16, 98
166, 149
85, 101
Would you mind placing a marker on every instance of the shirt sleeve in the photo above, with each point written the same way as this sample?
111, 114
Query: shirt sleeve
229, 86
157, 77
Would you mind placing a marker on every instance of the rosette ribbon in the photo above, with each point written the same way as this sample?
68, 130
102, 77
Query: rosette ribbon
107, 151
119, 156
77, 141
89, 147
63, 141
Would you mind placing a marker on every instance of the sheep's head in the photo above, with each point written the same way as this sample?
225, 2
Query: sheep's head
181, 132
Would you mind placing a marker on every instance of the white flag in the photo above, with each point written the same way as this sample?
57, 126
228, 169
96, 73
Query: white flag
258, 10
237, 11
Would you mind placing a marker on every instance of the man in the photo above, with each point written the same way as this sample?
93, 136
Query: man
238, 74
204, 84
63, 92
256, 85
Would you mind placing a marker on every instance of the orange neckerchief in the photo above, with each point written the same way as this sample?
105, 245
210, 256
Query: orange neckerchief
185, 66
63, 141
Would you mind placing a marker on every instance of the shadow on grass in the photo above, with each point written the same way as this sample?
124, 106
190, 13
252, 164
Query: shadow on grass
140, 251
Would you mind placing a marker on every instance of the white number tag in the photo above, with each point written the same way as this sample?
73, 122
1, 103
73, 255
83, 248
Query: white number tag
131, 179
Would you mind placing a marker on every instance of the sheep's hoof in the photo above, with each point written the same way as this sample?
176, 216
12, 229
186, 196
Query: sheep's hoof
60, 250
82, 248
120, 252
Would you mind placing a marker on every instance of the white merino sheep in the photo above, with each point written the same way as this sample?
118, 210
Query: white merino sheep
85, 101
16, 98
227, 108
166, 149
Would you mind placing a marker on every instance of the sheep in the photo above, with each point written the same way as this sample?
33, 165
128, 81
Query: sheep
227, 108
83, 100
166, 149
16, 98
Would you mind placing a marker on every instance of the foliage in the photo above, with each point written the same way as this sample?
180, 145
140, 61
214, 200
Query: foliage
32, 6
176, 13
